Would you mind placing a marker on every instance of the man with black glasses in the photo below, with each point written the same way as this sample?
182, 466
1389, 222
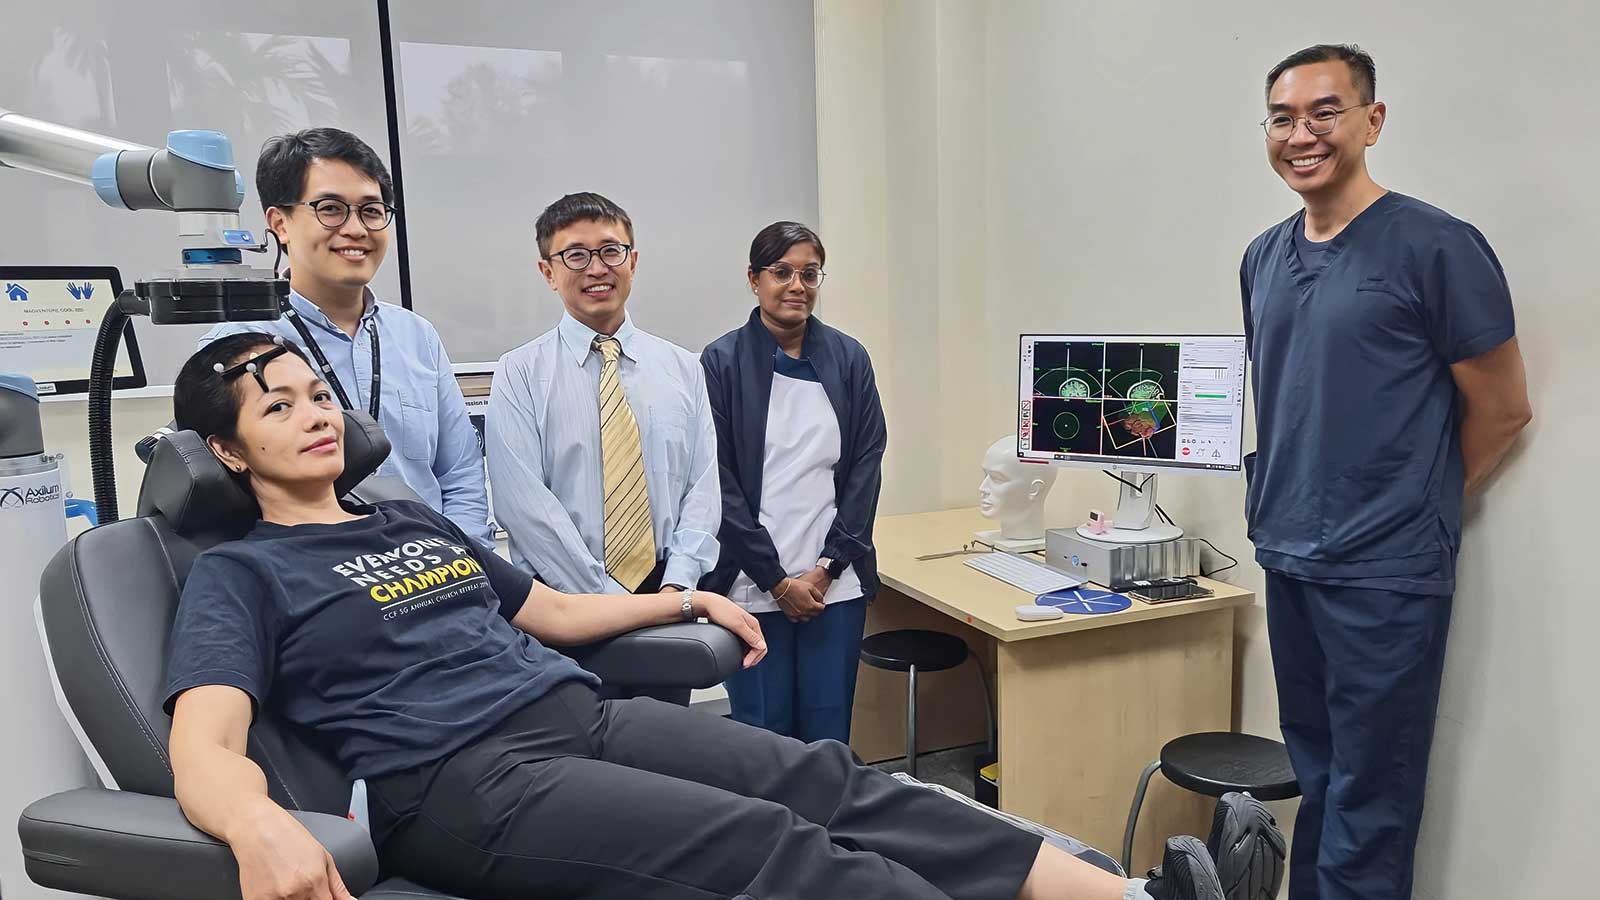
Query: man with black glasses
329, 202
1388, 383
600, 439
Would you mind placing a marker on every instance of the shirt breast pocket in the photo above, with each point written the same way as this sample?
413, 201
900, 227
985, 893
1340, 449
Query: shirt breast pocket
1384, 326
669, 441
420, 425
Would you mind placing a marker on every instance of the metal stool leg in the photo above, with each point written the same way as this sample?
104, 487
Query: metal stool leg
1133, 815
911, 721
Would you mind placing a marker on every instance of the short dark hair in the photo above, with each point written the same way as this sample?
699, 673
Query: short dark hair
281, 167
573, 208
1363, 71
202, 401
773, 241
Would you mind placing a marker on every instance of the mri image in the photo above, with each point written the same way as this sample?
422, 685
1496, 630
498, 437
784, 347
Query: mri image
1110, 399
1141, 381
1071, 371
1066, 426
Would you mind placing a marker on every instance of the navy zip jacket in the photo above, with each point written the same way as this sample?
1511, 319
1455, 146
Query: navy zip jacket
738, 369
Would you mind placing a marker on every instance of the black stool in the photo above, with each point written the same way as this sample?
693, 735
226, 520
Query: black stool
912, 650
1216, 763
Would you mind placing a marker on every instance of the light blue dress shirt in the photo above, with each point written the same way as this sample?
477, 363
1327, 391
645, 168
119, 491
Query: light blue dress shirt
435, 448
543, 437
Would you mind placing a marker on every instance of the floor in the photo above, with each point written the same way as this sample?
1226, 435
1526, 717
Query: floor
949, 768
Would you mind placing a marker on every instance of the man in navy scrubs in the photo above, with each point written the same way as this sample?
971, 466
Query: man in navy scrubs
1387, 384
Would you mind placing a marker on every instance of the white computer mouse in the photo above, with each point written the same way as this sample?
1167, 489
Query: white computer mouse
1029, 612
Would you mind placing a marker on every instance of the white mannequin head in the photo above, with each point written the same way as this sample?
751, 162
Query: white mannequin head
1013, 492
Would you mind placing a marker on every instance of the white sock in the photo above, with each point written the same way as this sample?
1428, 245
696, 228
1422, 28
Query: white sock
1135, 890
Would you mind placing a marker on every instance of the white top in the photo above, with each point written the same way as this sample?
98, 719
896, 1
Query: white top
798, 502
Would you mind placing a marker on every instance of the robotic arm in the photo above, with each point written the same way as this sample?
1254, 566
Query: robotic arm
193, 176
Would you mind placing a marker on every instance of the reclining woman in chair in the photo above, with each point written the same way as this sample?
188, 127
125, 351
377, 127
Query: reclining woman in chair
492, 768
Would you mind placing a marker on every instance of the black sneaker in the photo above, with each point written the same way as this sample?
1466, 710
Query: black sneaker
1247, 847
1186, 873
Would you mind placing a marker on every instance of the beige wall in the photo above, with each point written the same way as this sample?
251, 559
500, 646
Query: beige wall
990, 168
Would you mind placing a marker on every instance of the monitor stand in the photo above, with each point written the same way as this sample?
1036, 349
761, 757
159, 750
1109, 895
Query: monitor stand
1135, 520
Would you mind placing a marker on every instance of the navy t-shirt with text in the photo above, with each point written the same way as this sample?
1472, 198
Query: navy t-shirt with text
390, 634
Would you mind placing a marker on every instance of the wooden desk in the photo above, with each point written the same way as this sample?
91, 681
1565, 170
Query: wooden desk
1083, 702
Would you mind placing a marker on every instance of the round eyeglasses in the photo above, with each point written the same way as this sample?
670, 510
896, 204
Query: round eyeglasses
375, 215
783, 273
578, 258
1280, 126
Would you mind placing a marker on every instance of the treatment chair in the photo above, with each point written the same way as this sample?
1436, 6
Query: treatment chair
106, 606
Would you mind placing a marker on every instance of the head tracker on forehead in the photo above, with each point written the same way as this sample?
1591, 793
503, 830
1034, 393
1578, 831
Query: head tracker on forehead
254, 365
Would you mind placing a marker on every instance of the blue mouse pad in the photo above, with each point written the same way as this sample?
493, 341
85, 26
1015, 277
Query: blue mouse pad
1085, 601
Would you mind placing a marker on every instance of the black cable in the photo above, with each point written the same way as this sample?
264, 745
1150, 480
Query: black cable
1168, 519
1231, 561
1119, 479
278, 256
391, 106
1140, 488
101, 460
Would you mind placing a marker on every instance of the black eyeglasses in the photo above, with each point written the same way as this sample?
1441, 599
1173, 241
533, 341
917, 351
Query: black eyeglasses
1281, 127
783, 273
375, 215
578, 258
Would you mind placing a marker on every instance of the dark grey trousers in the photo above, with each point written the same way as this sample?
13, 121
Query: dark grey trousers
578, 797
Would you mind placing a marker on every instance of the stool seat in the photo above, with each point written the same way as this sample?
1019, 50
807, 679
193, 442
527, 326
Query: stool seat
898, 651
1216, 762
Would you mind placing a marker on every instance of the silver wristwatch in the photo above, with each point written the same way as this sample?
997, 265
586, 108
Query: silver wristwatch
688, 605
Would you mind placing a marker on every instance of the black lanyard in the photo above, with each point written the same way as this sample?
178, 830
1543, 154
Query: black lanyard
327, 370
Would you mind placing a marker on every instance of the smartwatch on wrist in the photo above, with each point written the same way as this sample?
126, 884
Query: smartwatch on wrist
834, 567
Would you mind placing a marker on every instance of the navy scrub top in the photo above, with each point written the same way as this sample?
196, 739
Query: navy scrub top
1357, 477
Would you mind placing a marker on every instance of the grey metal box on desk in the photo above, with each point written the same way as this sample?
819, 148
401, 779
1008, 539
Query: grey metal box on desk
1108, 564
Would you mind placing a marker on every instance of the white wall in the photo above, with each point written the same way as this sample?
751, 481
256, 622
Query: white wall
902, 202
990, 168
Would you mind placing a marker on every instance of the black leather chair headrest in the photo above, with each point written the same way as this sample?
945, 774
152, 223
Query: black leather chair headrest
186, 483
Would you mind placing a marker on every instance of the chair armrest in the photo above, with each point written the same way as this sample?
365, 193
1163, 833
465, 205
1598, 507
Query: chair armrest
127, 846
377, 488
685, 655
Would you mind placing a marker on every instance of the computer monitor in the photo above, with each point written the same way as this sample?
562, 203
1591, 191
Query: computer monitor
1137, 403
49, 317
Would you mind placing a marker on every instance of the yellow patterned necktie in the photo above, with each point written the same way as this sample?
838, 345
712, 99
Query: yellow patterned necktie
629, 527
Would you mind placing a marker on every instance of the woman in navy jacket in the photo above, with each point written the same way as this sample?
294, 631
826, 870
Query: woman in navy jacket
800, 438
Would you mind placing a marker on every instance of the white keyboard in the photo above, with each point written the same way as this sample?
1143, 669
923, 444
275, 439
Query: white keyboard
1035, 578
